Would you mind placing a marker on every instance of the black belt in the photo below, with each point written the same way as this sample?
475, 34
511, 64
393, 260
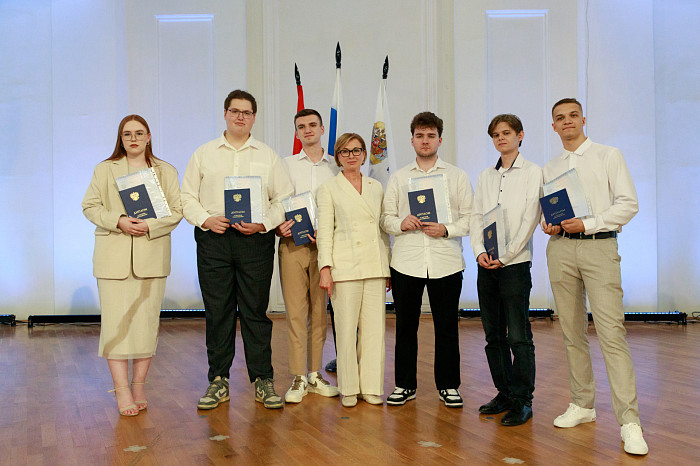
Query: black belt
602, 235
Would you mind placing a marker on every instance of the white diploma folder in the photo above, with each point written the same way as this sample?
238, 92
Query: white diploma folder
570, 181
438, 183
497, 215
254, 184
148, 178
301, 201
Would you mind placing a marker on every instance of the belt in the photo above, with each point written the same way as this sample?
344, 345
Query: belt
602, 235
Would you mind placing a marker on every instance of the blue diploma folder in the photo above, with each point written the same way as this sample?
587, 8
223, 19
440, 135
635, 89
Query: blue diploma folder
302, 226
556, 207
422, 204
137, 203
237, 205
491, 241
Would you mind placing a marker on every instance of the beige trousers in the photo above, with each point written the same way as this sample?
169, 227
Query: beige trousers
305, 301
360, 318
592, 267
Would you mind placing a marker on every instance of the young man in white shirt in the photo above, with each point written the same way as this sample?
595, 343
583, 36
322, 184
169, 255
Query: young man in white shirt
304, 300
235, 261
427, 254
583, 261
504, 283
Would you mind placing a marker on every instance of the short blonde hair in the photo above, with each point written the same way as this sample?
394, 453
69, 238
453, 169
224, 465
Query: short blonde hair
343, 140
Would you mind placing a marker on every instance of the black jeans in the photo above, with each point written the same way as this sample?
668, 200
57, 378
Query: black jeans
235, 271
504, 298
443, 294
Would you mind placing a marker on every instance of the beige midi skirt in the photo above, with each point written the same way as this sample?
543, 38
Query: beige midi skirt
130, 316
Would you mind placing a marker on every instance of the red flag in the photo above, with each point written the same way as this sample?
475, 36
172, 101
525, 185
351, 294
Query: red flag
300, 106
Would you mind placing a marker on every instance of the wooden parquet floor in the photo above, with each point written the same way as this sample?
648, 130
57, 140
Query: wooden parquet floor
55, 409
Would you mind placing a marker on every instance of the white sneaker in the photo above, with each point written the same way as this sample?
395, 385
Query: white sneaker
574, 416
297, 391
317, 384
633, 438
349, 401
372, 399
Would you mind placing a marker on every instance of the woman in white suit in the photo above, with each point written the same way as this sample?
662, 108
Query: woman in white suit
131, 261
353, 257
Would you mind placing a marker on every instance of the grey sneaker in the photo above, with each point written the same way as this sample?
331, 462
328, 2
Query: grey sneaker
216, 393
265, 394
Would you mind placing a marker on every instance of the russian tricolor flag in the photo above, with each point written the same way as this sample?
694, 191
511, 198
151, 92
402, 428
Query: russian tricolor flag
336, 106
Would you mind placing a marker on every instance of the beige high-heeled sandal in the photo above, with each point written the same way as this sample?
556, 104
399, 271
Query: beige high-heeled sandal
140, 404
124, 411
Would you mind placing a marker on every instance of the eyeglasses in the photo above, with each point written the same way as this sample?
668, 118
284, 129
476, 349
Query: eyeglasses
357, 151
247, 115
138, 135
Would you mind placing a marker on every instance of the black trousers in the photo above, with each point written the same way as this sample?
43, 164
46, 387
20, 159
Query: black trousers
504, 299
443, 294
235, 271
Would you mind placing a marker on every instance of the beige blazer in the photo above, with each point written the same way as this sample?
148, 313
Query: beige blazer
113, 249
349, 238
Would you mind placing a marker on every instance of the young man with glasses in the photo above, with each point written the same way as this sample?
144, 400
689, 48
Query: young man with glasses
583, 261
304, 300
235, 261
427, 254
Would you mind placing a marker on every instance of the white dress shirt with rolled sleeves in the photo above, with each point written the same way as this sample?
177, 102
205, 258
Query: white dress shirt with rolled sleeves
606, 181
415, 253
517, 190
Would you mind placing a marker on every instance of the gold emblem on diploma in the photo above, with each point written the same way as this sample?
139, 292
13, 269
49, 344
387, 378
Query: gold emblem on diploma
490, 234
421, 199
554, 200
134, 196
237, 197
297, 218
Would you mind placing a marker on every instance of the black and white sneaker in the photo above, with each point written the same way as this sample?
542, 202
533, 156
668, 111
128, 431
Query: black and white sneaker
451, 398
400, 396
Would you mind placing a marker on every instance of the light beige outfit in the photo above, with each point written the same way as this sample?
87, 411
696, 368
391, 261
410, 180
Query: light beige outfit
580, 267
305, 301
130, 271
203, 182
351, 243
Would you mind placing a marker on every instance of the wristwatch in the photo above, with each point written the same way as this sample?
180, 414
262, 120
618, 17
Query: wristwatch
445, 235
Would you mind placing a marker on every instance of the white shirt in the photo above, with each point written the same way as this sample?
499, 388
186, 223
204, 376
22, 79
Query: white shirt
517, 190
203, 183
415, 253
606, 181
307, 175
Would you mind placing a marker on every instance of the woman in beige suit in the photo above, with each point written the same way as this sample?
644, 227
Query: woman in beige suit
353, 257
131, 261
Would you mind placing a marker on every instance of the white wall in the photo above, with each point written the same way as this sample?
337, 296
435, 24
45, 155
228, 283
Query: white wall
620, 112
26, 158
71, 70
677, 91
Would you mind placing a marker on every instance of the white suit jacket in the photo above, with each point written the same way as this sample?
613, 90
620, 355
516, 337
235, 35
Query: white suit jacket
349, 238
